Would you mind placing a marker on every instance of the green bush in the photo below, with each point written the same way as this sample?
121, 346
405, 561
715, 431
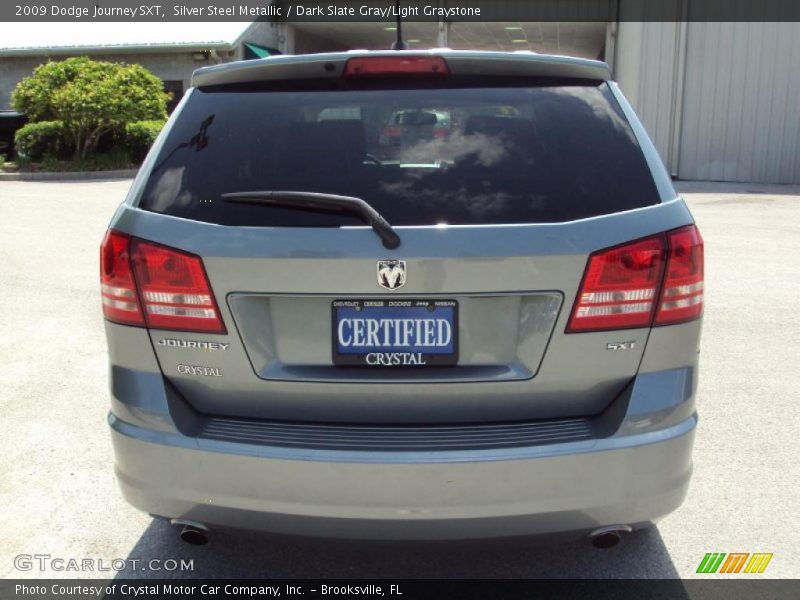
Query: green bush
107, 161
139, 136
35, 140
115, 159
50, 163
91, 98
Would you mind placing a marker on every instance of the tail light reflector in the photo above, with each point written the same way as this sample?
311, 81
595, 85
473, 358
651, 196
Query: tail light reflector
682, 295
394, 66
117, 288
167, 288
620, 287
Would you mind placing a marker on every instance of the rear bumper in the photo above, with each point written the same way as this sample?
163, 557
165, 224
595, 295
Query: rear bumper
632, 471
571, 487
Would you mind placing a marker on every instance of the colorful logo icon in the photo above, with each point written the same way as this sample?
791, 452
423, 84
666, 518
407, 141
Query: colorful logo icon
736, 562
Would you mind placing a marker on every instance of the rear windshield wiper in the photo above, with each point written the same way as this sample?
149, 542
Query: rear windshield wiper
322, 203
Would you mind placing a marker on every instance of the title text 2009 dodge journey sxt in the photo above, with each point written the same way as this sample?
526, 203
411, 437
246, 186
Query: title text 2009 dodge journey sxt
404, 295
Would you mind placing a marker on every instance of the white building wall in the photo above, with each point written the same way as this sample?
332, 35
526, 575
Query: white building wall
741, 117
646, 68
265, 33
720, 100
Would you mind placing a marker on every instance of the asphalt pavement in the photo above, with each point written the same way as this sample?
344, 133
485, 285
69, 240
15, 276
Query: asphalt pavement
58, 492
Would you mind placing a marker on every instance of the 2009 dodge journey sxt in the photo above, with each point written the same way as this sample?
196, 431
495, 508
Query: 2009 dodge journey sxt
391, 294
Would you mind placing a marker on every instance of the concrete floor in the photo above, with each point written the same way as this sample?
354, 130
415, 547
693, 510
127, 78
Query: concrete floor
59, 496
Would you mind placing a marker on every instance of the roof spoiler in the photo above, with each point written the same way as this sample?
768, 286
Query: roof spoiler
316, 66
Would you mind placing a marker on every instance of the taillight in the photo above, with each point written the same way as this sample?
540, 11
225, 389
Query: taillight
653, 281
174, 289
682, 292
166, 286
117, 288
398, 65
620, 287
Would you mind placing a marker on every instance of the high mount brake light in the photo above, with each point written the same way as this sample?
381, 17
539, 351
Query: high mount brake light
170, 285
657, 280
396, 66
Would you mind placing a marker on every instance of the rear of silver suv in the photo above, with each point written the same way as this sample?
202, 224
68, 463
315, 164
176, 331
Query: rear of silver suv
483, 330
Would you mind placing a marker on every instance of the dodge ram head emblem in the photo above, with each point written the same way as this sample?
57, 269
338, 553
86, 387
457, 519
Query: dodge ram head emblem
391, 274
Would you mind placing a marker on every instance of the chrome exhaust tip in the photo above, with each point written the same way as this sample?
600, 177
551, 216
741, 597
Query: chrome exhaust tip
194, 536
192, 533
608, 537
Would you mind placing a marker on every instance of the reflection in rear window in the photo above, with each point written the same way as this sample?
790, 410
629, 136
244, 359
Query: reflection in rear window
419, 156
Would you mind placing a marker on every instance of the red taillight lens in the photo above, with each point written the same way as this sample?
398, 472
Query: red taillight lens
147, 284
682, 292
117, 288
393, 66
174, 289
654, 281
620, 287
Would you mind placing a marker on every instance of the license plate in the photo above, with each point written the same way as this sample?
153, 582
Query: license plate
395, 333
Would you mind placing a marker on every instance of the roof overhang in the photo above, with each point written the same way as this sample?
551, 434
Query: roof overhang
118, 49
157, 38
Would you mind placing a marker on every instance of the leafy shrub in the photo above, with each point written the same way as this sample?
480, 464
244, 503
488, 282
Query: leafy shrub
115, 159
2, 161
35, 140
139, 136
50, 163
107, 161
91, 98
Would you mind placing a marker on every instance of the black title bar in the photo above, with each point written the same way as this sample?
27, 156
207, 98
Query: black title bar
410, 10
485, 589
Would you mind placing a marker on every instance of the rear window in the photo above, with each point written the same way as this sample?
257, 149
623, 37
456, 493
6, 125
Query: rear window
521, 153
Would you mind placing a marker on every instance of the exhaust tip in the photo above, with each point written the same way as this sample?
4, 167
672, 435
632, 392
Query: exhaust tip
606, 540
193, 533
608, 537
194, 536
